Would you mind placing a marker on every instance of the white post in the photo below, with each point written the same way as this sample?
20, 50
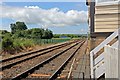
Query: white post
0, 69
92, 64
119, 53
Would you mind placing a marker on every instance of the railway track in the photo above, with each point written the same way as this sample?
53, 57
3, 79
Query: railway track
59, 70
73, 65
9, 62
63, 57
13, 67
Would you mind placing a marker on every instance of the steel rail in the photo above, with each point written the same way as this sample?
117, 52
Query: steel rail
28, 53
58, 71
32, 69
20, 61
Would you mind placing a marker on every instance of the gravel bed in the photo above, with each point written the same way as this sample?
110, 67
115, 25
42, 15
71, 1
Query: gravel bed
77, 57
52, 66
13, 71
36, 49
24, 57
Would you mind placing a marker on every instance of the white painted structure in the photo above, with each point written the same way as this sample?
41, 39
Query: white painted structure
108, 62
111, 62
106, 15
106, 1
106, 20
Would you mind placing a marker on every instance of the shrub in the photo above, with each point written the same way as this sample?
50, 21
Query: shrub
7, 43
21, 43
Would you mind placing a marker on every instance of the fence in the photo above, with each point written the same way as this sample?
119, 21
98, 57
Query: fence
98, 64
49, 41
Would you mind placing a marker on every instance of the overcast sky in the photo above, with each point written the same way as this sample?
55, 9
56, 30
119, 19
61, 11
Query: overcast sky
60, 17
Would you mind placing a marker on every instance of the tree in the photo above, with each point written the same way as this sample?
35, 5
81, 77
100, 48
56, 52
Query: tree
18, 26
47, 34
56, 35
18, 34
2, 32
7, 43
36, 33
19, 29
27, 33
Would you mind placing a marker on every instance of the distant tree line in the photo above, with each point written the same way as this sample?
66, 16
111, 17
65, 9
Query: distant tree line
21, 36
20, 30
69, 35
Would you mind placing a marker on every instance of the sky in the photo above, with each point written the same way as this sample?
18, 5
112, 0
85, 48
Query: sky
60, 17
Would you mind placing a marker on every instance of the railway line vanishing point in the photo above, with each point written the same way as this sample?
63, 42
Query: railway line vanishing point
49, 61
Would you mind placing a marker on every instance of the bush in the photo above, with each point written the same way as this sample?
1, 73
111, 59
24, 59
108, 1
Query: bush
21, 43
7, 43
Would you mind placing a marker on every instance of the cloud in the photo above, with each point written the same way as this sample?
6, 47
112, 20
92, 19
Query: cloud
33, 7
45, 17
1, 1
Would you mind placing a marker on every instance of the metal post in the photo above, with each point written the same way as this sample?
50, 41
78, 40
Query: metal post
92, 12
83, 75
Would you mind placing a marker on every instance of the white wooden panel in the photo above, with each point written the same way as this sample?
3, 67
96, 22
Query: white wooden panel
107, 16
115, 45
100, 61
106, 2
107, 22
99, 70
105, 30
99, 58
98, 48
107, 19
105, 42
112, 11
104, 26
111, 62
109, 6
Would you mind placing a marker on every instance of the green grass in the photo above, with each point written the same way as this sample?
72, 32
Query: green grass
49, 41
23, 43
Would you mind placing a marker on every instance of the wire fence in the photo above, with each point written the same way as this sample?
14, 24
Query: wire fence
48, 41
